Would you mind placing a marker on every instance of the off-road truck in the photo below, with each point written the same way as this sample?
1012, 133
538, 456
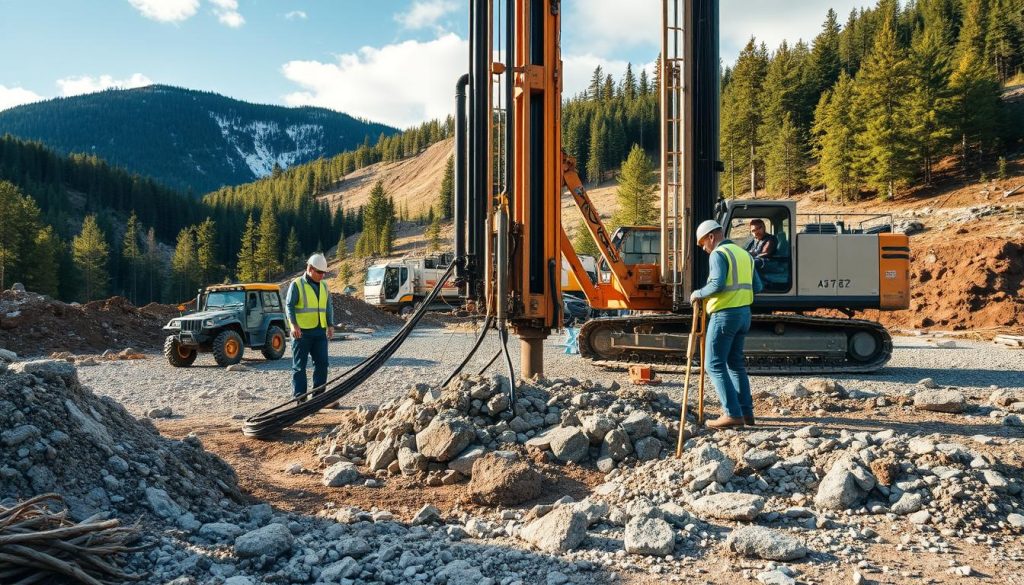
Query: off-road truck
228, 318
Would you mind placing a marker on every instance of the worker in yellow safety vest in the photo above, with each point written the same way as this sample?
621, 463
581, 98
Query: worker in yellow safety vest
728, 294
311, 316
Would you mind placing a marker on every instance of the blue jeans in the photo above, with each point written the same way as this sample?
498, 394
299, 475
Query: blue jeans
313, 343
723, 352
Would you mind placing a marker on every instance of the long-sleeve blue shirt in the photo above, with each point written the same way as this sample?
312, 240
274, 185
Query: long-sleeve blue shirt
294, 294
720, 272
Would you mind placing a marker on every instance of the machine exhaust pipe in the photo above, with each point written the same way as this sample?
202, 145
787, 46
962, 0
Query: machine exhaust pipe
459, 212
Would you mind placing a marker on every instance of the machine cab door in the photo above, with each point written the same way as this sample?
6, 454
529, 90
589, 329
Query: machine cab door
253, 315
765, 230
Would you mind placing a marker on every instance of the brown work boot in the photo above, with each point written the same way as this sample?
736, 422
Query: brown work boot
748, 419
725, 422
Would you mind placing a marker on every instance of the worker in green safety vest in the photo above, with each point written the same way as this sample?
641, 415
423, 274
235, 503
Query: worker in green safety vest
728, 294
310, 314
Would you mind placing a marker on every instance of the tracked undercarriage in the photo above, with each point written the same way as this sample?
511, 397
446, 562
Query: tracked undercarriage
776, 344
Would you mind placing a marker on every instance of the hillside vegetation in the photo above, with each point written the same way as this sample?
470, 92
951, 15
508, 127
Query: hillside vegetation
193, 141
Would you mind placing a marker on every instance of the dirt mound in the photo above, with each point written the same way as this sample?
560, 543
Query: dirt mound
972, 285
352, 312
60, 437
33, 324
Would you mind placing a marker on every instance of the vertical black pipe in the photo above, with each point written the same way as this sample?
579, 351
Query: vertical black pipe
706, 72
479, 118
537, 160
459, 212
510, 59
472, 147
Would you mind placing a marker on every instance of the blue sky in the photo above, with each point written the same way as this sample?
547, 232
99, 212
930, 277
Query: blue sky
393, 61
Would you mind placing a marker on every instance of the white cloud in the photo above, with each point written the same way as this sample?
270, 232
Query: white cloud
296, 15
401, 84
425, 13
227, 13
606, 25
166, 10
88, 84
16, 96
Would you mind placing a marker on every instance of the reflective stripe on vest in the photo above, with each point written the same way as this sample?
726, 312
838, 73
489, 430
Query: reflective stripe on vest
306, 316
739, 282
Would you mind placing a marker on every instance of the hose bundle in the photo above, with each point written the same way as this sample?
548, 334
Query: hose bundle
269, 423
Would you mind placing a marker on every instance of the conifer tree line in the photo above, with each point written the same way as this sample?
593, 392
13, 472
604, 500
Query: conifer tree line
871, 105
149, 243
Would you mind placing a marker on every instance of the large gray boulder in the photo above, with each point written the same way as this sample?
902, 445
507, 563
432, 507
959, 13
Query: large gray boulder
638, 424
380, 455
272, 541
765, 543
649, 536
162, 504
339, 474
907, 504
596, 426
949, 401
560, 530
464, 462
729, 506
445, 437
46, 368
845, 486
346, 568
648, 448
568, 444
616, 444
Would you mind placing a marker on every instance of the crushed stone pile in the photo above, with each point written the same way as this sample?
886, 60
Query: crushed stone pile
33, 324
438, 434
351, 312
58, 436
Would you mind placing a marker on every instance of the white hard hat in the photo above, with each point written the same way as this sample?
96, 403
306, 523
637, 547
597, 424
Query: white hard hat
318, 261
706, 227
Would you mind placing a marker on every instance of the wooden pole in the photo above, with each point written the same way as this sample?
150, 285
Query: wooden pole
690, 346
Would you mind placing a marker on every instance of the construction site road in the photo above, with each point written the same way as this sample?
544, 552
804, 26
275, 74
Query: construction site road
151, 386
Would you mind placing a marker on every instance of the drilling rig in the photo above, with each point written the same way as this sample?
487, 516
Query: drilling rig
511, 173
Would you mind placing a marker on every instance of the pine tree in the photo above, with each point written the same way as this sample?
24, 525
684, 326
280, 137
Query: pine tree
629, 84
598, 162
883, 85
345, 274
184, 266
825, 61
975, 105
1004, 40
45, 277
10, 240
785, 162
246, 269
447, 196
741, 113
583, 242
90, 251
637, 186
154, 266
596, 84
207, 268
341, 253
835, 144
433, 234
131, 253
930, 103
292, 254
268, 248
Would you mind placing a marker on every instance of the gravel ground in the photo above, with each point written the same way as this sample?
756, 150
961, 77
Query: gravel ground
429, 355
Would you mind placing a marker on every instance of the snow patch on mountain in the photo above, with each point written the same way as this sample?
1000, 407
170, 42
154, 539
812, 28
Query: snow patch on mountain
262, 144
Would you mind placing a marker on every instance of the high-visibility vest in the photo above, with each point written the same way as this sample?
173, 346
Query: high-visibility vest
739, 282
311, 316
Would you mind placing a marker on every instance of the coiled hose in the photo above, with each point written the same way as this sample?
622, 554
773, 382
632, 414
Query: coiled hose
270, 423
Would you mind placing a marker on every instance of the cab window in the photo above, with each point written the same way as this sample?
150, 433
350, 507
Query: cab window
765, 232
271, 300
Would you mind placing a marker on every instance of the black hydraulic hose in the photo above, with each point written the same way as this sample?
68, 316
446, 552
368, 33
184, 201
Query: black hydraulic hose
271, 422
503, 335
494, 358
476, 345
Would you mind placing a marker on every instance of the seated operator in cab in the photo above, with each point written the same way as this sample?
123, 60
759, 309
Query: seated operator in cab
762, 245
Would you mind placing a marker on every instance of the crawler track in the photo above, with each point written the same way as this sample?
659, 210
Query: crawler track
777, 344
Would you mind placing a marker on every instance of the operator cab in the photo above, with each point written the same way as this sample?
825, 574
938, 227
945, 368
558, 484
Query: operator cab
774, 250
639, 244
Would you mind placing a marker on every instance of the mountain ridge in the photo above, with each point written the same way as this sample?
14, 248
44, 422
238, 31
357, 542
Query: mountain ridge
191, 140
